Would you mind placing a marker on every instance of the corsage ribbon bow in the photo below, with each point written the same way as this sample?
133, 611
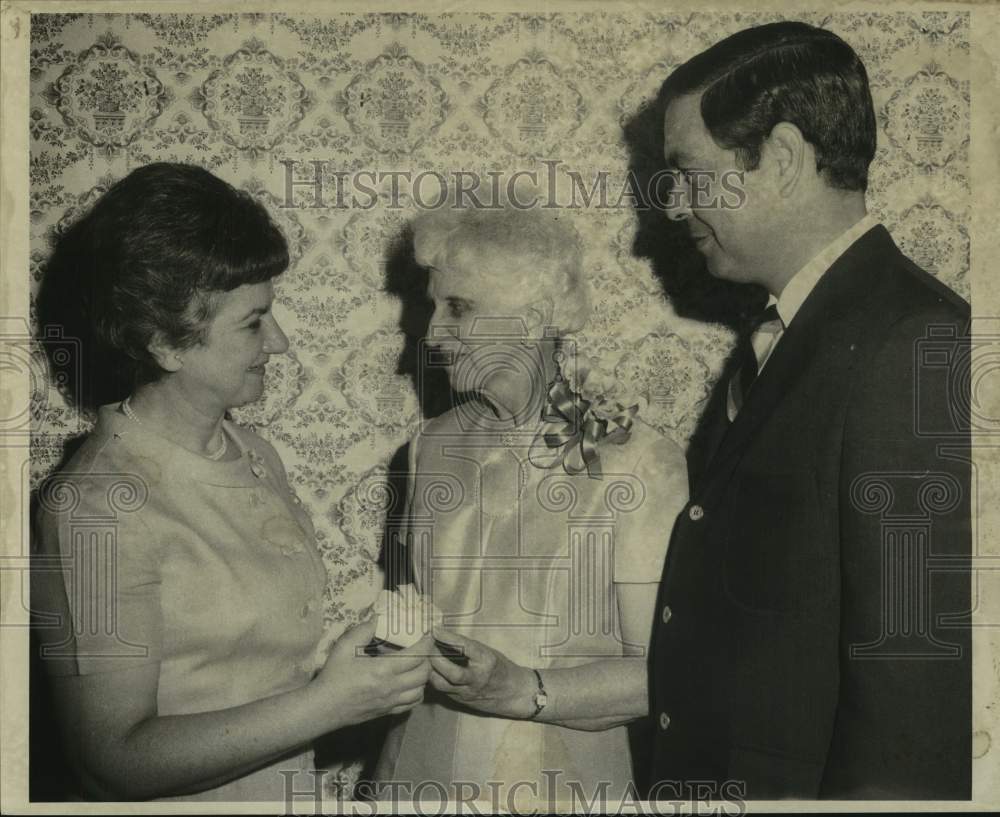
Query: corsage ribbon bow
574, 427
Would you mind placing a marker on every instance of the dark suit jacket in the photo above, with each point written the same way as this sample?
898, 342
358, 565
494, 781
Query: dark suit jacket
817, 641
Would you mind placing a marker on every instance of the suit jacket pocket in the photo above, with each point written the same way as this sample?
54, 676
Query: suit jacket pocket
781, 552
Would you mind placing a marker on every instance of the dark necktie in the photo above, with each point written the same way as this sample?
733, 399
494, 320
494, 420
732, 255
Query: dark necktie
753, 349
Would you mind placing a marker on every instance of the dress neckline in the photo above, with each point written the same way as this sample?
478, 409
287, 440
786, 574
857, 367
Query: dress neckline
148, 443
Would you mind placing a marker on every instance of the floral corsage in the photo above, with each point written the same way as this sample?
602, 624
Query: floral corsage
579, 416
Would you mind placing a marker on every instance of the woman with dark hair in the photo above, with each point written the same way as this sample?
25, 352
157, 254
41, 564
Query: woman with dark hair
192, 661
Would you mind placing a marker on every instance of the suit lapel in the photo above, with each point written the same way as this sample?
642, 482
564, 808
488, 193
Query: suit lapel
839, 293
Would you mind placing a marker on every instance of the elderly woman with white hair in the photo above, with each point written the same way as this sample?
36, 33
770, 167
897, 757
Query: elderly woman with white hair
538, 521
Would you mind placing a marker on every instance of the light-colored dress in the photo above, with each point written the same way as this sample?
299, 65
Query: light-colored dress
209, 569
526, 560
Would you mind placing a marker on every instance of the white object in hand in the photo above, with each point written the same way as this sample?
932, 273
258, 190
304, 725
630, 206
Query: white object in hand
404, 616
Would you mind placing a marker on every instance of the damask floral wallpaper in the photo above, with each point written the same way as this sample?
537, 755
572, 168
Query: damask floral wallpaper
265, 99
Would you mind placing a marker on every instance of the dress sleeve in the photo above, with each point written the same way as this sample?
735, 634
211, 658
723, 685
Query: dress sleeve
642, 535
98, 581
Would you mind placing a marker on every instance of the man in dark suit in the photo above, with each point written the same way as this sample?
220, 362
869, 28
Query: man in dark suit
812, 636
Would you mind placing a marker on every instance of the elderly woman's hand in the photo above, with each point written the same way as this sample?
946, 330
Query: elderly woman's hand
490, 682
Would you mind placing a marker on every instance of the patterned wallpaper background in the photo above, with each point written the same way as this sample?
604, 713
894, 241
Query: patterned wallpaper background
242, 94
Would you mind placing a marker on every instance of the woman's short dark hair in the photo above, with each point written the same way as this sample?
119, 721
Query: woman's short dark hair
145, 260
785, 72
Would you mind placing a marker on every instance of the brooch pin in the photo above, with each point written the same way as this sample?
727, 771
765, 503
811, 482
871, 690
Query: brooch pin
257, 464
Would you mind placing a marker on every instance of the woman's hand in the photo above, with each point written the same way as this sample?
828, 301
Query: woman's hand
354, 687
490, 682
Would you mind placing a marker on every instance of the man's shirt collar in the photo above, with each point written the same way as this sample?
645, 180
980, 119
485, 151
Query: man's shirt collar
804, 281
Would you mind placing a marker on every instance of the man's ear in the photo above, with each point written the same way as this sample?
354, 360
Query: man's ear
166, 356
789, 151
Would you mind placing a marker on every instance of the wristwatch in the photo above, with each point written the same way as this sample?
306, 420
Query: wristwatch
540, 698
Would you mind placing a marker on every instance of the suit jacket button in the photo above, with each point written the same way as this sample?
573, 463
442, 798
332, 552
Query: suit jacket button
695, 512
667, 613
664, 720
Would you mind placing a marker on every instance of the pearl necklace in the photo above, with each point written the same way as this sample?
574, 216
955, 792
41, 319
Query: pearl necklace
126, 406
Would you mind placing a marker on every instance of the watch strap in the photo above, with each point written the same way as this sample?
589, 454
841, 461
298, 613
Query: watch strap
540, 698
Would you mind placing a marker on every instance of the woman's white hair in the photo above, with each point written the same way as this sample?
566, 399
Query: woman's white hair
535, 253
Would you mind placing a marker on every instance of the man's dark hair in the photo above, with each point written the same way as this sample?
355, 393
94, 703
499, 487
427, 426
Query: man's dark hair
147, 258
785, 72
